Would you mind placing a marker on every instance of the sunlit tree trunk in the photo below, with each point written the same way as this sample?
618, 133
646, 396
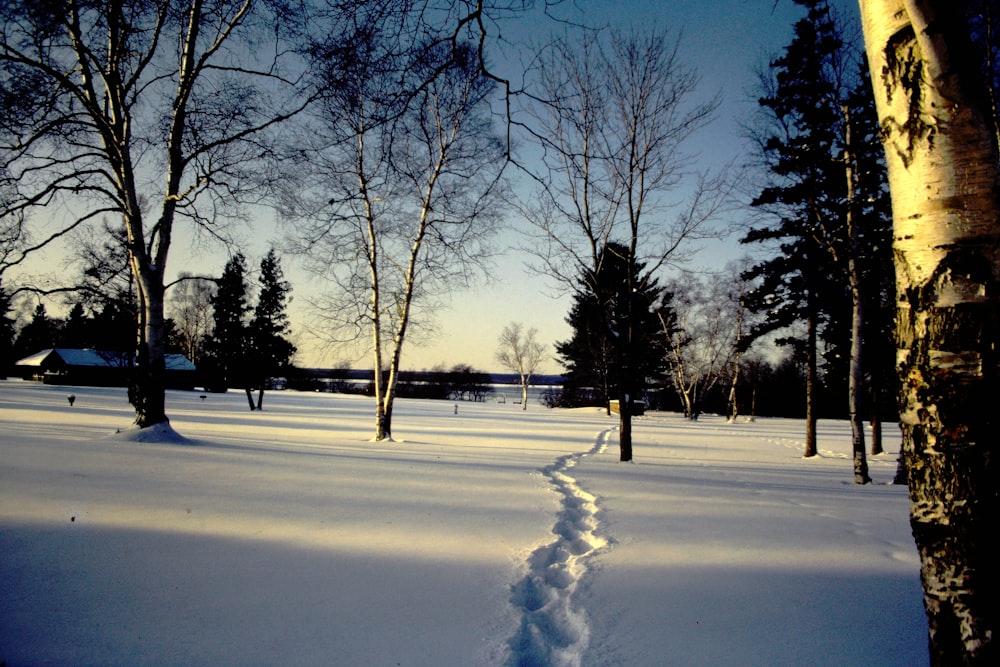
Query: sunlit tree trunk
945, 184
734, 408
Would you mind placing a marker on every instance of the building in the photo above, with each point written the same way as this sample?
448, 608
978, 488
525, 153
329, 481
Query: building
97, 368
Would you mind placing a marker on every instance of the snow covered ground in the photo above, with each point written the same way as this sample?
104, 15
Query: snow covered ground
488, 537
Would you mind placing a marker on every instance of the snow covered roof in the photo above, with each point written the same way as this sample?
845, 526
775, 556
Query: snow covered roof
178, 362
99, 359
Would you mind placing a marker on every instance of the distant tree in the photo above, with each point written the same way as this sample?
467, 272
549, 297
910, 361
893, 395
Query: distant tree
465, 383
76, 330
269, 350
702, 342
114, 326
518, 351
190, 306
751, 377
226, 349
6, 333
38, 334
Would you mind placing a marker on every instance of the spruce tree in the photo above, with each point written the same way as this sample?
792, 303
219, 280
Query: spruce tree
37, 335
804, 193
226, 349
268, 345
597, 355
828, 215
6, 333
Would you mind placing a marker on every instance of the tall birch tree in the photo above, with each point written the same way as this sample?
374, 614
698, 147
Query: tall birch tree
938, 130
397, 197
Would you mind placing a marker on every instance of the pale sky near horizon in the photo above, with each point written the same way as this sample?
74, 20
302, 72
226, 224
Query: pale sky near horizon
726, 41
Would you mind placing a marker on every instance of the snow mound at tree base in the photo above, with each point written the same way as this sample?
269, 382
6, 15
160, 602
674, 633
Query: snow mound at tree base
162, 433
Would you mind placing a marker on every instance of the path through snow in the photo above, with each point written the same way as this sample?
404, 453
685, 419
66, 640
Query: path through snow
553, 630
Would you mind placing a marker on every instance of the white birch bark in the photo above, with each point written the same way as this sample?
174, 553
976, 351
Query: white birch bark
943, 175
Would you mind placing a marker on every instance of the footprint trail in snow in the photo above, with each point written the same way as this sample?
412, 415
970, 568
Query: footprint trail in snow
552, 630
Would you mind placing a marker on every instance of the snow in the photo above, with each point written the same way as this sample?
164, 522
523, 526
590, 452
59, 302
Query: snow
490, 537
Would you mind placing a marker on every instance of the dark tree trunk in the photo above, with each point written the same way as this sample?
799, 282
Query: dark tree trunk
811, 384
625, 429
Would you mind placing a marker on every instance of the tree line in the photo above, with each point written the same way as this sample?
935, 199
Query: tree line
213, 322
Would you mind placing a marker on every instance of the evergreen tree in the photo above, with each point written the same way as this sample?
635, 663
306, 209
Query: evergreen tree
6, 333
595, 356
226, 348
826, 198
268, 345
805, 192
114, 325
77, 330
37, 335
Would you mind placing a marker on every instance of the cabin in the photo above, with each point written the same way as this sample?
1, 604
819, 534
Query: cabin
97, 368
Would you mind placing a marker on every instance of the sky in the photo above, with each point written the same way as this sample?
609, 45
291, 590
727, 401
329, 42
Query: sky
725, 41
487, 536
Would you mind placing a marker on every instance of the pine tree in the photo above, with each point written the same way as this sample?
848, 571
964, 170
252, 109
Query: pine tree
6, 333
826, 197
268, 345
597, 356
805, 192
226, 349
37, 335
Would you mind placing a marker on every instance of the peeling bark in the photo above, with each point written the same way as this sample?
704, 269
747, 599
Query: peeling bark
945, 185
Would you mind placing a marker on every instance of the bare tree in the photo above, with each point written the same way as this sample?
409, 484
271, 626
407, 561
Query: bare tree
702, 345
191, 309
944, 176
519, 352
613, 114
398, 195
131, 101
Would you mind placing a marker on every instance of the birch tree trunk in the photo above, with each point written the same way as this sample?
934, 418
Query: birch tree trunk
943, 176
148, 388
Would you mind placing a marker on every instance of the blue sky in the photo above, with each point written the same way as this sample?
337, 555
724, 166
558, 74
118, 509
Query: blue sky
727, 42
